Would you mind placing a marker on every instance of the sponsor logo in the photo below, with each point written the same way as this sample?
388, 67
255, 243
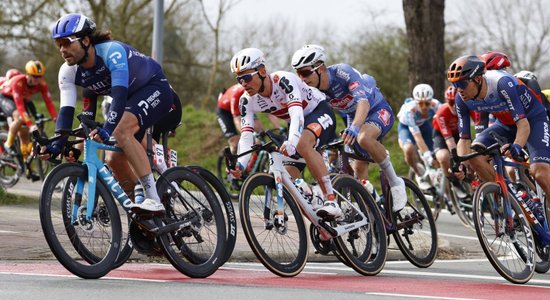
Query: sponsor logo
352, 86
342, 74
276, 78
546, 138
384, 116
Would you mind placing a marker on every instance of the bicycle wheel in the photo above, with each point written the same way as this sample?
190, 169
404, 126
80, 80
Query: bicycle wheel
9, 167
509, 247
195, 250
415, 234
225, 201
281, 248
462, 205
429, 191
365, 249
87, 249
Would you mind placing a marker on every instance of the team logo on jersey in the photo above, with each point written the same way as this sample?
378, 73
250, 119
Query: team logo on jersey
352, 86
384, 116
276, 78
86, 104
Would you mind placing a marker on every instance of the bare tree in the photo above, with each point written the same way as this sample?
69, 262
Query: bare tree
425, 32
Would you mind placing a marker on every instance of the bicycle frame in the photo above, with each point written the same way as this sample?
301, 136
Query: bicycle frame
282, 178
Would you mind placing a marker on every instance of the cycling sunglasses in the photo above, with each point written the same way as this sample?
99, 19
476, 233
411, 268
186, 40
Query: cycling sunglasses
65, 42
246, 77
462, 84
306, 73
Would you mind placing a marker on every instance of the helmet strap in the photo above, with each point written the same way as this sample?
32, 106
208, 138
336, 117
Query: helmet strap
85, 57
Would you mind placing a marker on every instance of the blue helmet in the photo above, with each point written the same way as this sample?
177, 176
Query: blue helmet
72, 24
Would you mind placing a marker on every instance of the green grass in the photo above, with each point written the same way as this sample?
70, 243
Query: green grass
12, 199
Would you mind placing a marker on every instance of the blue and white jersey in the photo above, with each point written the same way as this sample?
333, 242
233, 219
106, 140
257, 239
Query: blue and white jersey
411, 116
348, 86
117, 65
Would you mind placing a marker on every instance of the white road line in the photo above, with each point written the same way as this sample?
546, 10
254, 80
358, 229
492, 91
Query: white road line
8, 231
457, 236
419, 296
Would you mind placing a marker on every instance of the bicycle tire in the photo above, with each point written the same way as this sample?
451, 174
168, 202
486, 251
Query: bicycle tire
224, 177
225, 201
514, 262
463, 210
430, 195
543, 266
195, 250
64, 238
287, 255
9, 169
360, 255
417, 245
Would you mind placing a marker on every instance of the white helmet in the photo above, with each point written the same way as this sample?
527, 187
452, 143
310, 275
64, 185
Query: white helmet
526, 75
308, 55
423, 92
247, 59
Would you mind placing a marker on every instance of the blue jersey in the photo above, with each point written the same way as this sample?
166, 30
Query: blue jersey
506, 99
348, 86
119, 71
411, 116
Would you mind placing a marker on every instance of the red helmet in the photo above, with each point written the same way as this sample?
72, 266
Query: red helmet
450, 95
495, 60
12, 72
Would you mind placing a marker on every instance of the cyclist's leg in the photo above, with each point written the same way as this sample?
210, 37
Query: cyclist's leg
441, 151
538, 143
480, 164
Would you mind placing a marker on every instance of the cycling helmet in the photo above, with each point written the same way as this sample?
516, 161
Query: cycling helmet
73, 24
12, 72
526, 75
495, 60
308, 56
450, 95
247, 59
35, 68
423, 92
465, 68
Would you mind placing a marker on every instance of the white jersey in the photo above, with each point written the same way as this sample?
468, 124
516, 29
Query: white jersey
291, 99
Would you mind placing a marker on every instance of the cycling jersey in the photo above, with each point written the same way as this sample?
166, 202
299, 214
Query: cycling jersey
291, 100
230, 99
17, 89
135, 81
410, 116
506, 99
445, 121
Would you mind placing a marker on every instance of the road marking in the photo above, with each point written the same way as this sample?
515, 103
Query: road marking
419, 297
8, 231
458, 236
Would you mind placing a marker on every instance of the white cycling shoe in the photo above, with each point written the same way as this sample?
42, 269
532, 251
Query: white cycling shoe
399, 196
330, 210
149, 205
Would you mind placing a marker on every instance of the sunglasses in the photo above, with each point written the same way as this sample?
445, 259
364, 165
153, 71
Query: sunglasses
423, 103
246, 77
65, 42
462, 84
306, 73
36, 76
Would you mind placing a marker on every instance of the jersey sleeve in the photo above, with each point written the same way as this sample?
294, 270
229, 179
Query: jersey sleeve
290, 86
247, 129
356, 84
463, 114
67, 96
506, 88
116, 60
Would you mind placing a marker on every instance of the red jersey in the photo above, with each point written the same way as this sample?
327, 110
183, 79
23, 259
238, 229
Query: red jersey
230, 99
445, 121
17, 89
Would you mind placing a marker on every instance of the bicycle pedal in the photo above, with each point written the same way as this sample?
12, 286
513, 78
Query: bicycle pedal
145, 214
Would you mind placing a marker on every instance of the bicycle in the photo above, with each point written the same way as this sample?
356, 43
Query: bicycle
271, 209
12, 167
82, 224
258, 163
413, 228
504, 222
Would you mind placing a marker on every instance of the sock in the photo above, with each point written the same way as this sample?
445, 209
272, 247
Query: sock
148, 183
327, 186
160, 163
387, 168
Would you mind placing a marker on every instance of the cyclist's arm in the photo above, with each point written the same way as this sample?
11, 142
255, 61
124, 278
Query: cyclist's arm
420, 143
47, 97
118, 65
20, 103
507, 89
247, 130
523, 131
361, 113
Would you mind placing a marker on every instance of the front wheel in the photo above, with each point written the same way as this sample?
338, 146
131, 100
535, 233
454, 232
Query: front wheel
87, 248
280, 247
504, 233
415, 232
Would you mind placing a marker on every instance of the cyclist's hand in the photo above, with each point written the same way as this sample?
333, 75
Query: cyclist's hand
514, 150
428, 157
350, 134
288, 149
459, 174
237, 173
49, 151
100, 135
33, 128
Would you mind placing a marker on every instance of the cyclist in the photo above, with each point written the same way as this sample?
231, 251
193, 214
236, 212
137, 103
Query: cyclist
445, 135
517, 113
15, 101
369, 116
9, 74
496, 60
415, 128
229, 116
283, 94
107, 67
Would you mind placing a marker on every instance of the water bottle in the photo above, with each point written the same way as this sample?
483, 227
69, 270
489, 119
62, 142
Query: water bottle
537, 209
304, 189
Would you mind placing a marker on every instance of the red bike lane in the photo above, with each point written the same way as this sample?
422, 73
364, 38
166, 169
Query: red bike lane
381, 284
